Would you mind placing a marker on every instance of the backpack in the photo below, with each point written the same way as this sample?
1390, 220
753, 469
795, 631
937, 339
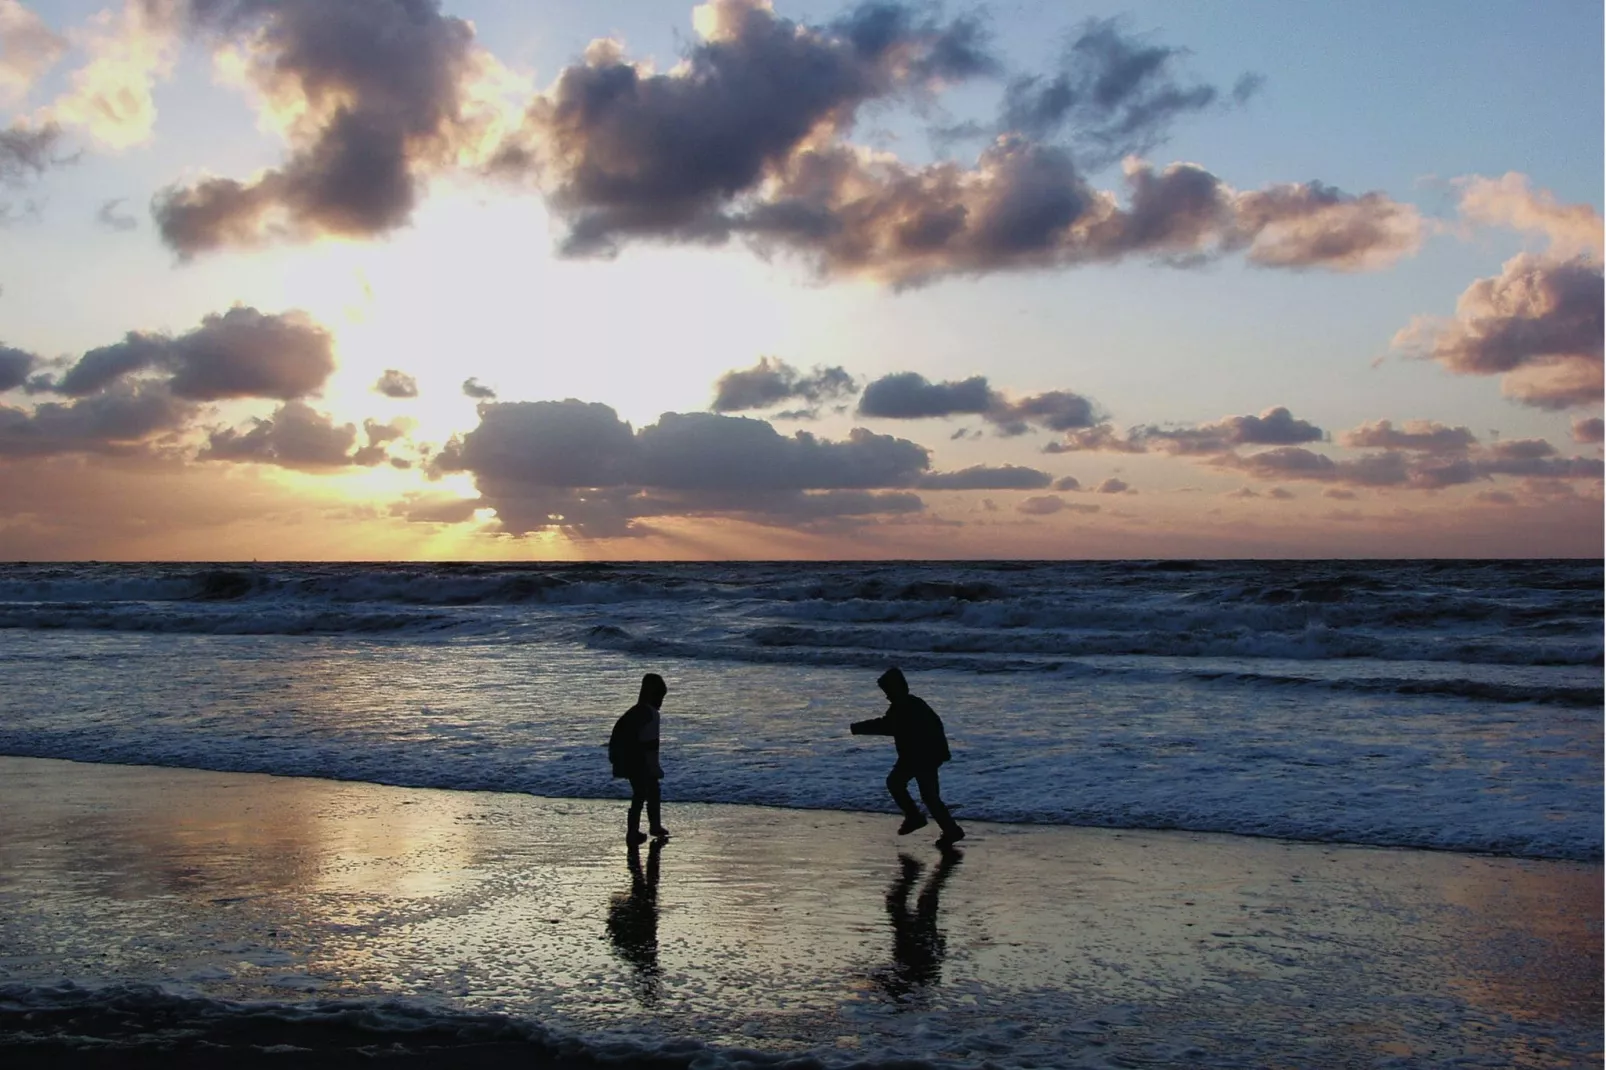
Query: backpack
622, 743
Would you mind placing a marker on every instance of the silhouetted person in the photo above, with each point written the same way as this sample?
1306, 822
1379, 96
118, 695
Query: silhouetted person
633, 922
633, 752
922, 746
918, 945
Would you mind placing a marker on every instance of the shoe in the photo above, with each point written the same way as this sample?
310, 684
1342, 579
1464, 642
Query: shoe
910, 824
951, 837
635, 837
660, 834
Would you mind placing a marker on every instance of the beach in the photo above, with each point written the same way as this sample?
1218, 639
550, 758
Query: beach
193, 915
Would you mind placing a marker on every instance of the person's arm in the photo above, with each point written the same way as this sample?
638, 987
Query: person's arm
875, 726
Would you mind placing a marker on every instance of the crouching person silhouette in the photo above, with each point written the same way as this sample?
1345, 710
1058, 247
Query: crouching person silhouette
633, 752
917, 732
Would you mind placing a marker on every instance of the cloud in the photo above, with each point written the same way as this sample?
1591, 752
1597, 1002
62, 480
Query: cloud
125, 419
28, 48
241, 353
1098, 438
1573, 229
1424, 436
1338, 494
15, 367
622, 151
112, 95
473, 388
911, 396
1274, 426
1113, 95
1025, 205
772, 381
1113, 485
298, 436
374, 97
109, 217
575, 465
1315, 225
1590, 430
1416, 470
396, 384
1067, 483
745, 137
986, 477
1538, 323
1049, 504
27, 152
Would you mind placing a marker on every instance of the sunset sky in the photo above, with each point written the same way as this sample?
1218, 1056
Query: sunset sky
376, 279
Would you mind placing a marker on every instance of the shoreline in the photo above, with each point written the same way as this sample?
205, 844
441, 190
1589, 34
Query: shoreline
775, 931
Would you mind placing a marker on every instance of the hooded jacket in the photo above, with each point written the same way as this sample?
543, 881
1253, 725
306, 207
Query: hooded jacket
915, 729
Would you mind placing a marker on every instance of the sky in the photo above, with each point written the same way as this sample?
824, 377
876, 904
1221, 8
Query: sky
483, 279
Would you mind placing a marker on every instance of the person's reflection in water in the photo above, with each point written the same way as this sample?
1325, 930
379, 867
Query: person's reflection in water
917, 944
633, 923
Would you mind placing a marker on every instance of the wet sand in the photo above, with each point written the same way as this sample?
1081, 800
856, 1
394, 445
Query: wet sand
179, 917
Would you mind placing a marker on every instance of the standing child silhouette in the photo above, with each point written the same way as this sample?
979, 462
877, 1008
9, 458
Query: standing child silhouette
633, 752
917, 732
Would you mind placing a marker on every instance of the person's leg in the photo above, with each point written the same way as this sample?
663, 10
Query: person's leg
931, 795
654, 798
898, 787
639, 796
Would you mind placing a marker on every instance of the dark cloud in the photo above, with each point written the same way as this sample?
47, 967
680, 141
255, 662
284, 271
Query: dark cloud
911, 396
15, 367
380, 91
396, 384
473, 388
545, 444
1025, 205
125, 419
1529, 458
241, 353
577, 466
622, 151
1114, 95
693, 451
1275, 426
295, 436
772, 381
1590, 430
986, 477
1539, 323
1422, 435
1067, 483
28, 152
1113, 485
109, 217
1056, 410
1296, 462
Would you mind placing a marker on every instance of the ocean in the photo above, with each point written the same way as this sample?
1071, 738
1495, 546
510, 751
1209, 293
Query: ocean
1432, 704
1444, 706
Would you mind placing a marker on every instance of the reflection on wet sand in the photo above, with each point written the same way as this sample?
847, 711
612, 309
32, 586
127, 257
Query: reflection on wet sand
633, 923
918, 945
773, 931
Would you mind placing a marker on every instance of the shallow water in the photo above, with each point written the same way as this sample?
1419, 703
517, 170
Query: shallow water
185, 898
